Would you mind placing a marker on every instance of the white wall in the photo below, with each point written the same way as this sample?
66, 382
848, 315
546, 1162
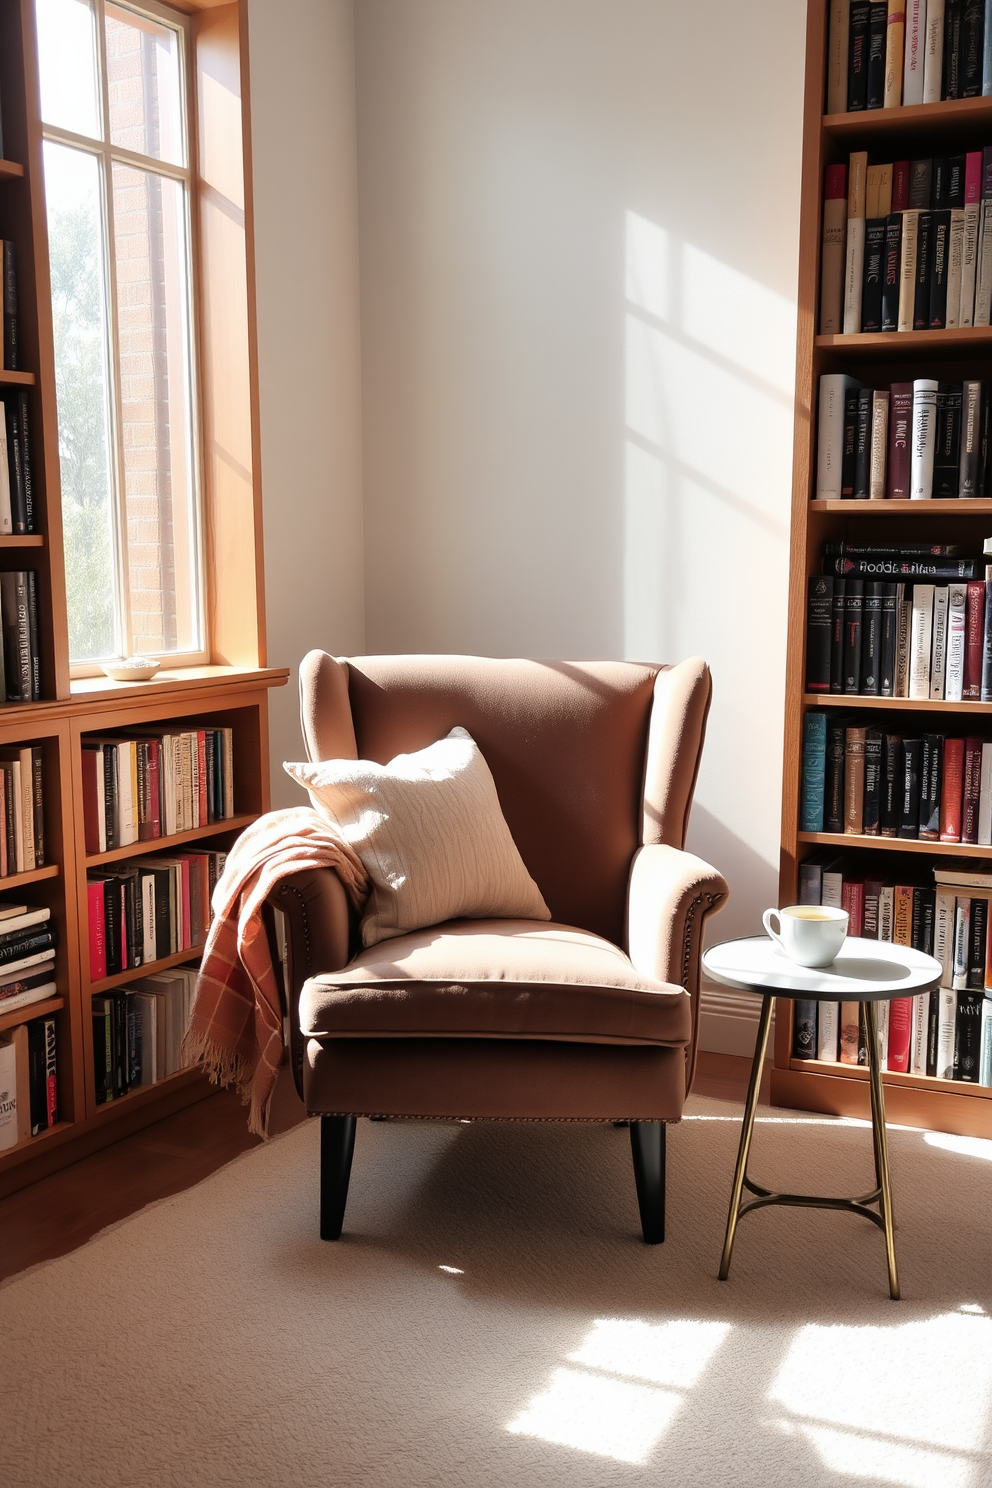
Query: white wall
306, 245
579, 226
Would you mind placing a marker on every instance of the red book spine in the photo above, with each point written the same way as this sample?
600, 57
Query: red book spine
201, 755
3, 824
155, 787
51, 1073
852, 898
900, 1033
972, 789
91, 813
974, 631
900, 437
835, 182
952, 790
900, 186
98, 931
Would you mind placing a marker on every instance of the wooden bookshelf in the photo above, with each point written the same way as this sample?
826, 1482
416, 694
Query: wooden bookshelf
930, 129
231, 688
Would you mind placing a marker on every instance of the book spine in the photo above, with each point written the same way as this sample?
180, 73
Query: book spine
871, 816
97, 930
924, 438
907, 268
987, 646
814, 771
955, 265
891, 260
938, 662
985, 1046
874, 272
819, 616
974, 651
933, 62
915, 46
887, 661
833, 250
862, 445
895, 40
924, 269
900, 1033
972, 48
943, 945
983, 280
952, 49
853, 612
930, 778
974, 439
827, 1028
837, 44
970, 242
985, 798
879, 440
922, 630
855, 247
877, 26
937, 290
871, 637
952, 791
854, 781
900, 441
904, 615
967, 1036
804, 1031
909, 810
857, 57
38, 804
9, 307
837, 635
972, 790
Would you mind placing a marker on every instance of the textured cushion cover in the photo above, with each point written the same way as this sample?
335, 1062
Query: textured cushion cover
499, 979
429, 830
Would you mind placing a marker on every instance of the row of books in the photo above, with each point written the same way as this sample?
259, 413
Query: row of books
138, 788
22, 815
906, 246
20, 655
138, 1031
946, 1033
887, 53
29, 1086
149, 908
913, 441
864, 782
17, 511
883, 638
27, 956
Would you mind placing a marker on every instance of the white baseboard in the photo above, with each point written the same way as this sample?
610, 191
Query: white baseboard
728, 1021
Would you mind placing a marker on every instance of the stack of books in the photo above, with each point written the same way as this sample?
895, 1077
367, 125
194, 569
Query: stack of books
887, 53
907, 246
139, 788
864, 782
891, 623
20, 655
149, 908
913, 441
17, 510
29, 1078
137, 1032
27, 956
946, 1033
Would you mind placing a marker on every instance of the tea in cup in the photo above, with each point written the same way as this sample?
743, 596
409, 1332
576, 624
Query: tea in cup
809, 934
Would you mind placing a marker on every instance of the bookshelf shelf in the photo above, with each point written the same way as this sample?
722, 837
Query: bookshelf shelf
968, 508
16, 379
897, 844
895, 343
179, 839
932, 120
23, 540
121, 978
901, 705
10, 170
34, 1010
890, 1077
32, 1144
21, 880
150, 1093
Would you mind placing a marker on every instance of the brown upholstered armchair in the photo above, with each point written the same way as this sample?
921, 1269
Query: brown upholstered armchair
592, 1017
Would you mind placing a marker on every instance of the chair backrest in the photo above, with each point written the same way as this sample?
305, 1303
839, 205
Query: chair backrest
590, 759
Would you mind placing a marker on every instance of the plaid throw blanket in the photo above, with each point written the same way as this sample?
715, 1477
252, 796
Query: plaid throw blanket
235, 1028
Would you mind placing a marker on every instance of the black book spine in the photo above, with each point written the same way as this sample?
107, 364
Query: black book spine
933, 1017
163, 930
850, 450
871, 637
23, 635
824, 670
978, 927
952, 50
135, 947
853, 609
37, 1082
38, 782
15, 463
971, 468
891, 782
877, 25
920, 177
22, 405
837, 636
101, 1065
119, 1001
968, 1032
947, 443
33, 635
110, 794
31, 945
940, 232
133, 1043
862, 446
892, 252
857, 57
874, 267
924, 268
909, 804
972, 48
931, 757
804, 1031
924, 914
887, 662
819, 615
9, 307
834, 792
955, 183
872, 814
940, 183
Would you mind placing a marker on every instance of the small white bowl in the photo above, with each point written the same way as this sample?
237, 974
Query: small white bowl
135, 669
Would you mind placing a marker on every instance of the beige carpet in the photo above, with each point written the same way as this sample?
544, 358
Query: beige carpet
491, 1318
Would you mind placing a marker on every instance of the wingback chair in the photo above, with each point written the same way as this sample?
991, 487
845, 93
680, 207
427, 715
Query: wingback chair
591, 1017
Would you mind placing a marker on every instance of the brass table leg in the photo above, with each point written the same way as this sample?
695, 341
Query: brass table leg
881, 1145
751, 1105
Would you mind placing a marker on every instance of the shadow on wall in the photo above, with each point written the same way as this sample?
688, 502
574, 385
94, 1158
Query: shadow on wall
753, 880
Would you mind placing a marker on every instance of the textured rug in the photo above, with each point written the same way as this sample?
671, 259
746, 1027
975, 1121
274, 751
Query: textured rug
491, 1318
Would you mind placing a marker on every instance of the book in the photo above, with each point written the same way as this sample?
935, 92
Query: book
873, 272
973, 439
853, 613
10, 336
974, 647
951, 87
895, 35
854, 780
877, 28
924, 270
837, 44
939, 263
914, 51
923, 438
900, 441
972, 48
952, 790
833, 252
871, 814
862, 445
970, 238
907, 268
933, 62
983, 274
871, 636
971, 790
819, 617
909, 811
891, 785
938, 658
814, 771
834, 782
879, 442
920, 642
947, 444
891, 267
855, 242
833, 391
857, 56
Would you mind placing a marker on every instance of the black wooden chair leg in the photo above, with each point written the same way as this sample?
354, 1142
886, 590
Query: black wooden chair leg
647, 1145
337, 1146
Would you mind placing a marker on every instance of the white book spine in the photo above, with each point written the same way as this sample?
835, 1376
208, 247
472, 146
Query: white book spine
27, 808
838, 32
962, 934
6, 517
915, 52
25, 999
933, 62
907, 269
919, 657
886, 911
853, 274
148, 916
833, 885
924, 438
957, 604
983, 281
126, 805
8, 1095
938, 660
879, 445
946, 1029
827, 1029
985, 1045
18, 816
955, 262
969, 262
101, 801
918, 1045
985, 798
830, 435
943, 934
904, 625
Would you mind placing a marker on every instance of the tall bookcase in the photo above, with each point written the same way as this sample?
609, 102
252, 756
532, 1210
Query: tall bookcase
232, 690
887, 134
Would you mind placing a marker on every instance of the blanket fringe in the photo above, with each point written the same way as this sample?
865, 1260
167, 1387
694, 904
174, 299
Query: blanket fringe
220, 1065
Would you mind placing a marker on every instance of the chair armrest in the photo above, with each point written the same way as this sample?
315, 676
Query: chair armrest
320, 931
669, 897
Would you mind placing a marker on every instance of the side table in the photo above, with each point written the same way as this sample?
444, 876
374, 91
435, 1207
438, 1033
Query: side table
865, 971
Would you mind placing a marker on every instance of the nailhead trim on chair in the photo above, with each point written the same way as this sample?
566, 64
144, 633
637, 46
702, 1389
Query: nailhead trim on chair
687, 937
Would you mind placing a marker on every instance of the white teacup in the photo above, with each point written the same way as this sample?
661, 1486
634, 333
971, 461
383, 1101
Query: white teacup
809, 934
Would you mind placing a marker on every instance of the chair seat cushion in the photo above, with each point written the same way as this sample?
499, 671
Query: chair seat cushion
495, 979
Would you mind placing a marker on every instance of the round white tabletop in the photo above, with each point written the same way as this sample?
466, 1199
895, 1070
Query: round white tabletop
864, 971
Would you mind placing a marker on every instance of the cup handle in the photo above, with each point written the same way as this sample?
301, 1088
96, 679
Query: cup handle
766, 920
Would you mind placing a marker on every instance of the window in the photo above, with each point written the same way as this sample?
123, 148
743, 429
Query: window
117, 188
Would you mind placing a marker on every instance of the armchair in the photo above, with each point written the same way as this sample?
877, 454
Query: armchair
591, 1017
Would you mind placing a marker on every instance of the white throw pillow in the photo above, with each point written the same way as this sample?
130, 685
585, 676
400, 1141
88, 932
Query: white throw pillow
429, 830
